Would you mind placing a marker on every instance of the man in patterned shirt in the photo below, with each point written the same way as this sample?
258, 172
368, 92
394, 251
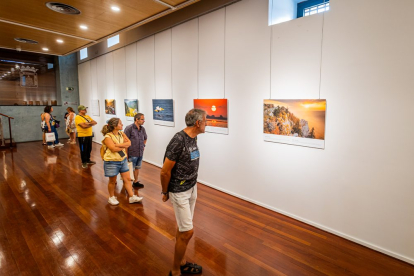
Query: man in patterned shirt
179, 181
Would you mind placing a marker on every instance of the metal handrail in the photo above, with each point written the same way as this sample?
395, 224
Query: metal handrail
6, 116
11, 138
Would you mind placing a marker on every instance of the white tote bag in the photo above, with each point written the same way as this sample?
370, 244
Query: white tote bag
131, 170
50, 137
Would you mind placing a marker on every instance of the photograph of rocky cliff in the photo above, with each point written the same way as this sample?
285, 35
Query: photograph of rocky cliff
295, 118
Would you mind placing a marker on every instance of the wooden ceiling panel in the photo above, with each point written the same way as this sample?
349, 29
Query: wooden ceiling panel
48, 40
98, 16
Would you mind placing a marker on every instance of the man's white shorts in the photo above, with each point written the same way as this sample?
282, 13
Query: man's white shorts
184, 204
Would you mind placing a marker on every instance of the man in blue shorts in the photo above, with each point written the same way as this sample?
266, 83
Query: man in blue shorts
138, 136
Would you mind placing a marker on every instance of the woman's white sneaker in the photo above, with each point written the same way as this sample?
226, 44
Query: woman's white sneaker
113, 201
135, 199
59, 145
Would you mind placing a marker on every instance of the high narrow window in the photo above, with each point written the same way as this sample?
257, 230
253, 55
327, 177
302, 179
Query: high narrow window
310, 7
83, 53
113, 41
286, 10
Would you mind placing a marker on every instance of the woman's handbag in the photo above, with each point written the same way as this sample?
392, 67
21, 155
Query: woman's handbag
50, 137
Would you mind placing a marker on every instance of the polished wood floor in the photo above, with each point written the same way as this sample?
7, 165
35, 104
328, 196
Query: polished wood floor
55, 220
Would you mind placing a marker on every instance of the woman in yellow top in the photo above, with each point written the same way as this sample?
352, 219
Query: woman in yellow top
115, 159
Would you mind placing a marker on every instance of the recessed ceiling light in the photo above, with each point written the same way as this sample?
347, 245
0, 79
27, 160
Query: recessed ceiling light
115, 8
59, 40
45, 49
83, 27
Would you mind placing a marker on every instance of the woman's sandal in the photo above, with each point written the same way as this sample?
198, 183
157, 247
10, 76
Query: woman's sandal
191, 268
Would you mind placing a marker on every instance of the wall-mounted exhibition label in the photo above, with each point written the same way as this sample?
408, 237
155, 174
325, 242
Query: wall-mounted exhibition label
295, 122
94, 109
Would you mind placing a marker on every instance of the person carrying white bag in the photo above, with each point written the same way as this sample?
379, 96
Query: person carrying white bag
51, 132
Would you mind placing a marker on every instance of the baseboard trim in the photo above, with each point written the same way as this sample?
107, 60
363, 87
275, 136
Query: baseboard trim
322, 227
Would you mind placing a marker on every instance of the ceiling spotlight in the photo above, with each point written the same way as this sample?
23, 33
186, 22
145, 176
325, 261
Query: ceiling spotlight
115, 8
59, 40
83, 27
45, 49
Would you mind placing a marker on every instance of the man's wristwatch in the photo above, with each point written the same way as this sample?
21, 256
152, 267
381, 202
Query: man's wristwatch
164, 193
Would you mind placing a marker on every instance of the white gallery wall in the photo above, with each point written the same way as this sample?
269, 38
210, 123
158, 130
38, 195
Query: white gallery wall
358, 56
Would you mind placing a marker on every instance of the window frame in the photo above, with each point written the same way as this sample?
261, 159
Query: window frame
306, 4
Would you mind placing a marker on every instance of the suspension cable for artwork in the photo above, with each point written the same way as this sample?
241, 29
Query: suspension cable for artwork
198, 57
271, 46
155, 83
224, 62
171, 65
320, 63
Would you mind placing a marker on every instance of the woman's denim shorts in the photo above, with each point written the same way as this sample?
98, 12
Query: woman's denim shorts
113, 168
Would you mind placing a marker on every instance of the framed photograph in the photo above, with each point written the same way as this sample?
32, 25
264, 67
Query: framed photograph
295, 122
217, 115
163, 112
131, 108
110, 107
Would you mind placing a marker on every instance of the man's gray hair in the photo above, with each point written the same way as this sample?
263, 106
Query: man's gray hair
194, 115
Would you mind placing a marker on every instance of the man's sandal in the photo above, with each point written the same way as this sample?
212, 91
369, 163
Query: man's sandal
191, 268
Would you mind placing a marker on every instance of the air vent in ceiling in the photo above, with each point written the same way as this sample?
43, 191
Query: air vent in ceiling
25, 40
62, 8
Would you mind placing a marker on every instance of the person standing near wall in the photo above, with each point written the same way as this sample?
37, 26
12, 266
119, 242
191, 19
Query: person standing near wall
179, 181
138, 136
115, 144
51, 127
43, 127
70, 125
84, 125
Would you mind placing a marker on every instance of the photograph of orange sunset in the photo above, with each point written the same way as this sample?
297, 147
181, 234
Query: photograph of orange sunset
296, 118
216, 111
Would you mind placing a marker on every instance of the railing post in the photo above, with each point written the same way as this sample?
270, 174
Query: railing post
11, 138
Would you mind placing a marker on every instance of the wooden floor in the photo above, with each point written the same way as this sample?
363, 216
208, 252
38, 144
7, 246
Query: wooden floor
55, 220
